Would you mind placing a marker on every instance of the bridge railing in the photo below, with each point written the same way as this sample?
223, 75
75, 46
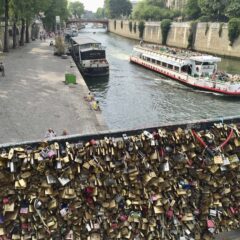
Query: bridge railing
197, 125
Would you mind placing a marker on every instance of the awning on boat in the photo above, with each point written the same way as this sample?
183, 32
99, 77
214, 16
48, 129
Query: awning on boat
206, 58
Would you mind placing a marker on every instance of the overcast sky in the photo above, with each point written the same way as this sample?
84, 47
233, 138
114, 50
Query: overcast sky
91, 5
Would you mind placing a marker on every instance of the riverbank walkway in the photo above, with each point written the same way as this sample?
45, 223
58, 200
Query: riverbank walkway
34, 97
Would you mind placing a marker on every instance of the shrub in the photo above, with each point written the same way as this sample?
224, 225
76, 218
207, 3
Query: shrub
135, 27
141, 27
165, 27
233, 30
122, 24
130, 25
192, 34
115, 24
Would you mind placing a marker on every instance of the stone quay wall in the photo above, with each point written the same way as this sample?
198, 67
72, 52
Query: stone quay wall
207, 39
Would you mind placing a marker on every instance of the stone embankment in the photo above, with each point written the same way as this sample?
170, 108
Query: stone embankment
210, 37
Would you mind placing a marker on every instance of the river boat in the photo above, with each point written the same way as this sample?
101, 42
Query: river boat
90, 56
193, 69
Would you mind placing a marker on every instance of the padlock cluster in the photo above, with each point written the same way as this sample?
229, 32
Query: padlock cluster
180, 184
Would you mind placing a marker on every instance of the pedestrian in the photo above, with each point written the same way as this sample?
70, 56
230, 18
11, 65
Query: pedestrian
64, 133
95, 106
50, 134
2, 69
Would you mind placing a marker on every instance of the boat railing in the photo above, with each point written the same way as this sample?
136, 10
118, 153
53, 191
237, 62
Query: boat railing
169, 56
147, 49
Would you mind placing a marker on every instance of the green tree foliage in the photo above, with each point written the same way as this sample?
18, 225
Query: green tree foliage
192, 9
153, 10
165, 27
118, 8
214, 9
233, 9
76, 9
135, 27
233, 29
100, 13
141, 27
130, 25
56, 8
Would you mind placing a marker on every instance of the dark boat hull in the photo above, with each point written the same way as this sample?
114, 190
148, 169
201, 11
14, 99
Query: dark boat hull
95, 72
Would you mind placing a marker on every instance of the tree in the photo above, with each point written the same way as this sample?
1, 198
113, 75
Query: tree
192, 9
56, 8
214, 9
76, 9
233, 9
118, 8
153, 10
6, 19
100, 13
233, 30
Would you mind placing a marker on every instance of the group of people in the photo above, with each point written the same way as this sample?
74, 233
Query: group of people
93, 103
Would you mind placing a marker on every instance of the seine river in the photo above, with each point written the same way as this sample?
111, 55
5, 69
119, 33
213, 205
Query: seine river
133, 97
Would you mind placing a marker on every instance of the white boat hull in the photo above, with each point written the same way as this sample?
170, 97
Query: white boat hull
225, 88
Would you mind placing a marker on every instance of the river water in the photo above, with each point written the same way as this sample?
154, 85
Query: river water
133, 97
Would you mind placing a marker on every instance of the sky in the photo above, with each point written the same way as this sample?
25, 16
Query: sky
91, 5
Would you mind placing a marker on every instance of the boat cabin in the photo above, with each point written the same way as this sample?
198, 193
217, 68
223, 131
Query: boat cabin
84, 48
204, 65
198, 66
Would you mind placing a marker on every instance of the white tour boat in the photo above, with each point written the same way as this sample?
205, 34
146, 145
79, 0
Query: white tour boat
189, 68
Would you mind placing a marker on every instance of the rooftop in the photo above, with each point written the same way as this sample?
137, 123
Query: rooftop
84, 40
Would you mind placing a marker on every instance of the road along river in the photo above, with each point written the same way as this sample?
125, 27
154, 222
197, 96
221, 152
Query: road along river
133, 97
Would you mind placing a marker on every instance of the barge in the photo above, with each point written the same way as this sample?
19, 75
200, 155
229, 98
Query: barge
189, 68
90, 56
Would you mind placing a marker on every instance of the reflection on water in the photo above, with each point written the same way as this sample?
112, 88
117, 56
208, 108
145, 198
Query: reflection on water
134, 97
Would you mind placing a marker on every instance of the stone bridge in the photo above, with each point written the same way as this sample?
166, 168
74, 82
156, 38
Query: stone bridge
79, 21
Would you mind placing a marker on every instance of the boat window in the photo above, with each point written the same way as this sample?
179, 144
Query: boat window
207, 63
198, 63
176, 69
148, 59
170, 66
153, 60
164, 64
158, 62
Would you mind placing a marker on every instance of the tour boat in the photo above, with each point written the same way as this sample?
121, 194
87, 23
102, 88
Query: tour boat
90, 56
189, 68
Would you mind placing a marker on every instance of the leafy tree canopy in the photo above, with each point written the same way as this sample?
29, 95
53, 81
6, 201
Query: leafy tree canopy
153, 10
100, 13
118, 8
233, 9
214, 8
192, 9
76, 9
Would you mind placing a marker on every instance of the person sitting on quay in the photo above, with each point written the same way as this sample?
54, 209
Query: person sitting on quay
89, 97
50, 134
95, 106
